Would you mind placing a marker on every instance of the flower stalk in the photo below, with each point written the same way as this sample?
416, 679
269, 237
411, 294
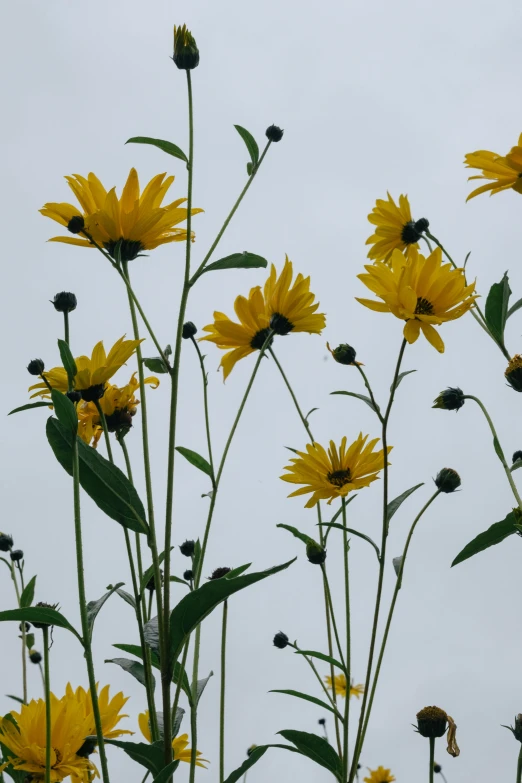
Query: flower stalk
47, 683
222, 694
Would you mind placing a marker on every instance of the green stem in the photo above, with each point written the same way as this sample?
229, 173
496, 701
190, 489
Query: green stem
370, 392
103, 422
24, 635
137, 540
328, 594
348, 645
319, 680
48, 725
499, 452
292, 394
222, 695
330, 651
432, 758
205, 403
194, 705
519, 766
178, 686
66, 327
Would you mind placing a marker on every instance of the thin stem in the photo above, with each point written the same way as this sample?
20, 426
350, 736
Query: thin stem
330, 651
194, 705
205, 403
370, 392
66, 326
222, 695
498, 448
294, 398
432, 759
47, 681
332, 615
103, 422
348, 643
178, 686
137, 540
319, 680
24, 634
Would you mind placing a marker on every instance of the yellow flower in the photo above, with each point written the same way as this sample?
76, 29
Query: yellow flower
505, 172
179, 744
395, 228
379, 775
128, 225
281, 308
93, 372
119, 404
26, 740
421, 291
109, 709
334, 473
339, 686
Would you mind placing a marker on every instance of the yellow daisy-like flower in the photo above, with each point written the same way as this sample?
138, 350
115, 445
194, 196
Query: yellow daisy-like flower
119, 404
379, 775
281, 308
93, 373
26, 740
424, 292
110, 709
395, 228
505, 172
334, 473
339, 686
179, 744
125, 226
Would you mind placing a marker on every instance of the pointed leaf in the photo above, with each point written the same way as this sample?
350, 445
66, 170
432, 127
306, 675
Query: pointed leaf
65, 411
322, 657
310, 412
155, 364
315, 748
127, 597
133, 667
195, 459
496, 309
252, 759
165, 146
362, 397
400, 376
243, 260
516, 465
330, 525
150, 571
151, 634
312, 699
149, 756
202, 684
93, 607
493, 535
297, 533
38, 614
251, 143
514, 308
498, 449
166, 773
176, 723
27, 597
395, 504
41, 404
68, 361
15, 698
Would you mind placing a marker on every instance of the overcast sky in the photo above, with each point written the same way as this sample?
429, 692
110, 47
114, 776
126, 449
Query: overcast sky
372, 97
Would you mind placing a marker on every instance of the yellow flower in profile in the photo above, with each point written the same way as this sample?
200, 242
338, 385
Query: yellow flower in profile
110, 709
179, 744
26, 740
379, 775
125, 227
281, 308
395, 228
119, 405
339, 686
505, 172
334, 473
93, 373
424, 292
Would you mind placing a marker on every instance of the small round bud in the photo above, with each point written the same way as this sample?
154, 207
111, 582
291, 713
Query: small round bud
188, 575
432, 722
281, 640
437, 768
151, 584
76, 224
447, 480
93, 393
187, 548
186, 52
27, 627
34, 656
219, 573
321, 722
189, 330
450, 399
16, 555
315, 553
6, 542
35, 367
251, 749
343, 354
513, 373
74, 396
274, 133
412, 230
517, 455
65, 302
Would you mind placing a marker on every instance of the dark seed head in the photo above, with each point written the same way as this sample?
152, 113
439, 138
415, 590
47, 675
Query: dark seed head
219, 573
413, 230
189, 330
432, 722
6, 542
35, 657
315, 553
343, 354
280, 324
74, 396
123, 249
437, 768
93, 393
451, 399
65, 302
151, 584
259, 339
120, 421
188, 575
16, 555
76, 224
513, 373
187, 548
321, 722
35, 367
447, 480
274, 133
281, 640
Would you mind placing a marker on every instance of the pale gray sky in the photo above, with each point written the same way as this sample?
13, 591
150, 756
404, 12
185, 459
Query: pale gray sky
372, 97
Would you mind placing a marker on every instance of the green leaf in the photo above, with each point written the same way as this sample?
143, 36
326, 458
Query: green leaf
29, 640
322, 657
39, 614
179, 581
251, 143
30, 405
156, 364
400, 376
362, 397
315, 748
150, 571
127, 597
516, 465
496, 310
194, 607
297, 533
149, 756
514, 308
133, 667
201, 685
166, 773
65, 411
493, 535
105, 483
196, 557
68, 361
394, 504
252, 759
26, 599
312, 699
151, 635
195, 459
15, 698
331, 525
498, 449
93, 607
165, 146
310, 412
250, 168
243, 260
179, 672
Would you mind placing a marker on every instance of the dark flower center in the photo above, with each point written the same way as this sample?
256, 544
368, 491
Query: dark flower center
423, 307
123, 249
413, 229
93, 393
340, 477
280, 324
259, 339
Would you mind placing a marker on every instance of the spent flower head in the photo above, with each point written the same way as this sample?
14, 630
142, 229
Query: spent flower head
451, 399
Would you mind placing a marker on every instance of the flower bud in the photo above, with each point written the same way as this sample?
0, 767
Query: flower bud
43, 605
187, 548
315, 553
218, 573
343, 354
451, 399
34, 656
76, 224
65, 302
186, 52
432, 722
151, 584
447, 480
6, 542
281, 640
189, 330
322, 722
35, 367
188, 575
27, 627
16, 555
437, 768
274, 133
513, 373
251, 749
413, 230
517, 455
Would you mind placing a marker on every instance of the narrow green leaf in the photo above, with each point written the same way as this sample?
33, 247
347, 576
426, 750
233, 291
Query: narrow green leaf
312, 699
201, 685
155, 364
166, 773
490, 537
176, 723
516, 465
105, 483
133, 667
243, 260
297, 533
135, 649
30, 405
514, 308
315, 748
29, 640
67, 360
336, 525
252, 759
15, 698
498, 449
151, 634
38, 614
467, 258
149, 756
251, 143
93, 607
127, 597
400, 376
26, 599
496, 309
65, 411
395, 504
179, 581
150, 572
362, 397
322, 657
195, 459
310, 412
165, 146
